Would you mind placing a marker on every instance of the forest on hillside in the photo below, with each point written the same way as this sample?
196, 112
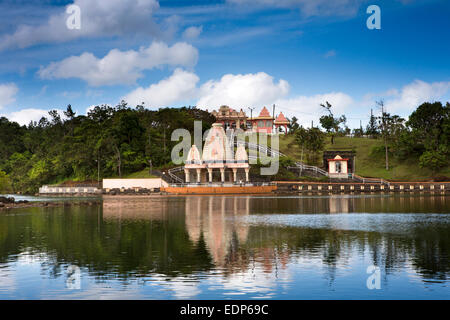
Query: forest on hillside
116, 140
422, 139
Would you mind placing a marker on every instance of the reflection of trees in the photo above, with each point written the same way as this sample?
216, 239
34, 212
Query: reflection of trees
186, 235
397, 203
125, 247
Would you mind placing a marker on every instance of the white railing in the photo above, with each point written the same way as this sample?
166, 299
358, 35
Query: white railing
370, 180
262, 149
304, 167
172, 174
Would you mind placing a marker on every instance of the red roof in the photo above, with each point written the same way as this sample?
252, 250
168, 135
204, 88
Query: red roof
264, 113
281, 118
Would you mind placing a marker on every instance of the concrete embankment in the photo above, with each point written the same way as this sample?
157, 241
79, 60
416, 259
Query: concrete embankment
220, 189
138, 187
350, 187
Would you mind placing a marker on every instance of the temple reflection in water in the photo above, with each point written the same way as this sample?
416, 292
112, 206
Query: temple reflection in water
220, 224
213, 218
258, 246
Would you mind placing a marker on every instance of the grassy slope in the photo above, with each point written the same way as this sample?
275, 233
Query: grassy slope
135, 175
367, 165
139, 175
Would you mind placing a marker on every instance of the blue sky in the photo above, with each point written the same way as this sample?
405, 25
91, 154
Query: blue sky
292, 53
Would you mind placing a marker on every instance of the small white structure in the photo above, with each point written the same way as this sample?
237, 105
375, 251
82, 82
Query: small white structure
217, 155
338, 167
68, 190
134, 183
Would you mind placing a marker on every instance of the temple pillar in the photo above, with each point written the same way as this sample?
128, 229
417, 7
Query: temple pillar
210, 174
247, 171
199, 175
186, 173
235, 175
222, 175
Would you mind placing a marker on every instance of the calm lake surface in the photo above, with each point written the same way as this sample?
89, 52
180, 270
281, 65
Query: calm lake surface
230, 247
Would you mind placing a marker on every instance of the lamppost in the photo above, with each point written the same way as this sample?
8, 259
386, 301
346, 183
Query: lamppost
98, 172
251, 115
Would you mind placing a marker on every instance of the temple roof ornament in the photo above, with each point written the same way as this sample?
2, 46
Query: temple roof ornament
225, 112
281, 119
217, 152
194, 155
217, 147
264, 115
241, 153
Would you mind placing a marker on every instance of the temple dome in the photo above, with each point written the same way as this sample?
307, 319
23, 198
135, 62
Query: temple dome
217, 147
241, 153
265, 113
193, 155
281, 119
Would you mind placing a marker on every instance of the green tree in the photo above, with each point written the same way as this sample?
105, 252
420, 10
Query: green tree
311, 140
430, 124
390, 128
293, 125
372, 127
331, 123
5, 182
434, 159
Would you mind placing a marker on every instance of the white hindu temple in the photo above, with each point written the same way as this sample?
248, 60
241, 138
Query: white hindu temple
217, 162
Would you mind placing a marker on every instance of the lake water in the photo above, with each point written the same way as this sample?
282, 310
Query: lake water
230, 247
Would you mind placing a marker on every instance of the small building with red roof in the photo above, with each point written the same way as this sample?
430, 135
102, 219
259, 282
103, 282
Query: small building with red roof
338, 167
281, 121
263, 122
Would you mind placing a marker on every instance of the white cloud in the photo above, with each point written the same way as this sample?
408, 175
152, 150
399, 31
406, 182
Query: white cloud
7, 94
242, 90
192, 33
329, 54
25, 116
307, 108
414, 94
98, 18
309, 7
121, 67
236, 36
179, 87
237, 91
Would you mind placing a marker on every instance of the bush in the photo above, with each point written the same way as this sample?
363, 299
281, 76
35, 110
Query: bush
5, 182
434, 159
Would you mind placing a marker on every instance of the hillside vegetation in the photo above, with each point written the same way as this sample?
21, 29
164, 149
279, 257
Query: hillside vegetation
369, 162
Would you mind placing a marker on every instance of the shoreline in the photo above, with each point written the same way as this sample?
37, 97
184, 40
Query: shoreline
44, 204
70, 203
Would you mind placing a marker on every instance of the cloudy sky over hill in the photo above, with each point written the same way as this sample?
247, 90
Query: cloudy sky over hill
244, 53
